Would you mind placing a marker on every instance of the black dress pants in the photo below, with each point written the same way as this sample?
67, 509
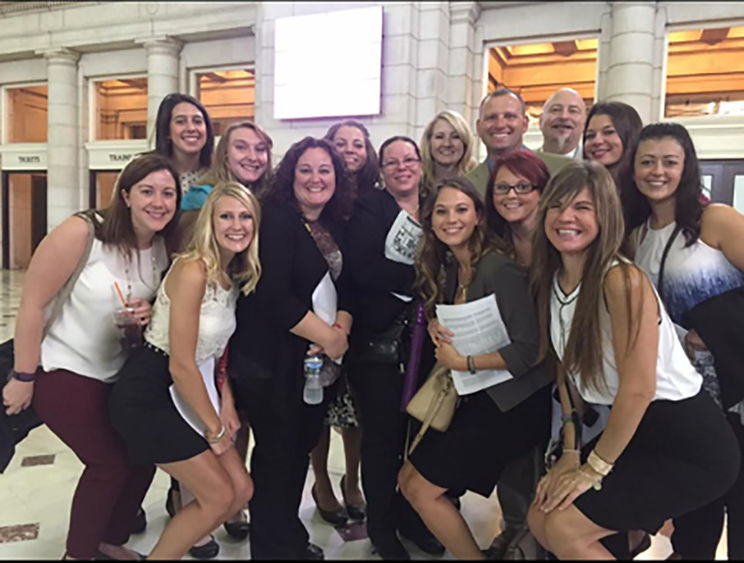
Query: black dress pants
697, 533
377, 390
285, 431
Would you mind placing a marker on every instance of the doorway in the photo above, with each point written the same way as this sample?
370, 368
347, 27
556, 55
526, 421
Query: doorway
24, 216
101, 186
725, 181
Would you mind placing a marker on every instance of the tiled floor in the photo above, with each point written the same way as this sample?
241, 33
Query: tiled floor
36, 491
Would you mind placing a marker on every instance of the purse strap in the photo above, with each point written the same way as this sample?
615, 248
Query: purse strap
664, 255
89, 216
433, 409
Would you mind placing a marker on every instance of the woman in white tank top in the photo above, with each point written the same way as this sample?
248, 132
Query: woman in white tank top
66, 374
165, 404
666, 448
704, 260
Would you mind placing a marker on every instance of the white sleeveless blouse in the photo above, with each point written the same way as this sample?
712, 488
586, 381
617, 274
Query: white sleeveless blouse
84, 338
676, 378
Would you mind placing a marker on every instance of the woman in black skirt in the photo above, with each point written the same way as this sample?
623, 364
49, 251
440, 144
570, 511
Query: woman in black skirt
165, 404
461, 261
666, 449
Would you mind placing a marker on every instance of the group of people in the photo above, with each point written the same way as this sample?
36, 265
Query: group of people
237, 274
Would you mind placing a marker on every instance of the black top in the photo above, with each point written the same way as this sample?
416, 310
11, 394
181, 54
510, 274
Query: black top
498, 275
372, 275
291, 267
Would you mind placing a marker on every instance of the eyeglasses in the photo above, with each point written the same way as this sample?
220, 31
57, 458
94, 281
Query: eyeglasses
520, 188
409, 162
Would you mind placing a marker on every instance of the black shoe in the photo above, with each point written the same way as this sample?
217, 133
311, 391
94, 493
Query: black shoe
390, 548
237, 530
501, 544
642, 546
170, 506
207, 551
335, 517
312, 553
354, 511
140, 522
101, 556
425, 541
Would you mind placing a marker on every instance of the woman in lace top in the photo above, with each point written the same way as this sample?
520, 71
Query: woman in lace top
165, 404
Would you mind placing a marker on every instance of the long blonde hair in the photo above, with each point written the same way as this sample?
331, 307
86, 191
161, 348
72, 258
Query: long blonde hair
245, 267
583, 353
465, 164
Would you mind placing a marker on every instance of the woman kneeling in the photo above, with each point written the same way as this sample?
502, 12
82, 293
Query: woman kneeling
666, 448
165, 404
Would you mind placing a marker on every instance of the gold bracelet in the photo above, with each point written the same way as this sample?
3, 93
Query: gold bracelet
218, 437
599, 465
570, 451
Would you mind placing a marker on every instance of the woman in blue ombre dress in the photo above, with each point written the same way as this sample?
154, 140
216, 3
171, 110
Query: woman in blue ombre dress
705, 259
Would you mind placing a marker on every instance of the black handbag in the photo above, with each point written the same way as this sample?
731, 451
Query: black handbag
386, 347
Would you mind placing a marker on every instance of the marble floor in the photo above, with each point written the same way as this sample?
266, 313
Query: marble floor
37, 487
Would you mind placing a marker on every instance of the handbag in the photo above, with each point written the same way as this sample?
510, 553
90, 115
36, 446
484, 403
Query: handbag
386, 347
15, 427
434, 403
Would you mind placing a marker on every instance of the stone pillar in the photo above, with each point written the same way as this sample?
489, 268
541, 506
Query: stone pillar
461, 91
162, 75
630, 68
63, 137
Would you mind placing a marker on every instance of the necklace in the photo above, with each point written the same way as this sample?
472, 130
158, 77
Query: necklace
155, 279
461, 294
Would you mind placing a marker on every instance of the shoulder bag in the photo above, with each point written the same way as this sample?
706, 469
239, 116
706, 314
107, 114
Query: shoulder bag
434, 403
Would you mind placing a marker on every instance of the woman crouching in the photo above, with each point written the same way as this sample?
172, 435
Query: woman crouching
666, 448
165, 404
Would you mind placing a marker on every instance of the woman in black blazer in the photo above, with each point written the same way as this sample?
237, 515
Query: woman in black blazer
300, 238
381, 270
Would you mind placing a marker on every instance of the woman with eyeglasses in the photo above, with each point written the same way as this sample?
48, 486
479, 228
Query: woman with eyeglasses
382, 237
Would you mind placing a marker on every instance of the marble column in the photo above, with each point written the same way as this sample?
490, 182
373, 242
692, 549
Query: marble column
63, 137
463, 81
630, 69
162, 75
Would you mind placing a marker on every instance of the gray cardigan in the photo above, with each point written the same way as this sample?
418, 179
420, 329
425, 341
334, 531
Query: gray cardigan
498, 275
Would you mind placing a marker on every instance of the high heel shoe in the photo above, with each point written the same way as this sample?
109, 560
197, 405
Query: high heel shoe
209, 550
238, 530
170, 504
355, 511
336, 517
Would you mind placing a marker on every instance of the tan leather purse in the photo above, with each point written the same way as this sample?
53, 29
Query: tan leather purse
434, 403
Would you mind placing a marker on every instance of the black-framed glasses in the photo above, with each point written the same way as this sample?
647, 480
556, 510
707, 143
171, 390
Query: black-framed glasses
409, 162
519, 188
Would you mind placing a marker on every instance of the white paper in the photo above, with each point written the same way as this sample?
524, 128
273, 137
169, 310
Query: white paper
479, 329
401, 243
182, 406
402, 239
325, 303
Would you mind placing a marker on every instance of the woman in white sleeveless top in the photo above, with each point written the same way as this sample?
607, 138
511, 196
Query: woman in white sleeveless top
166, 405
704, 260
666, 448
67, 374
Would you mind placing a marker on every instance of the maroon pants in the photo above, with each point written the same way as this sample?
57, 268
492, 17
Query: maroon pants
110, 490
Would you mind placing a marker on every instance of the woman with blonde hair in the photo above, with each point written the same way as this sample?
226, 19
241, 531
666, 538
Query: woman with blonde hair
666, 448
165, 404
447, 148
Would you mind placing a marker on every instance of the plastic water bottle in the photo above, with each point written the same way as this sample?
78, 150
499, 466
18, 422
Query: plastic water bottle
312, 394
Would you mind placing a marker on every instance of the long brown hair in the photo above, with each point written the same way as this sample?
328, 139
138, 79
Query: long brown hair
583, 353
433, 254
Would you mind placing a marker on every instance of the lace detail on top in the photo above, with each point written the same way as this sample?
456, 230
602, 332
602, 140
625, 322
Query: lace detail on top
216, 320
